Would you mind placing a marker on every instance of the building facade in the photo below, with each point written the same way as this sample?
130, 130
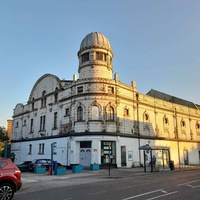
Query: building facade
9, 127
95, 118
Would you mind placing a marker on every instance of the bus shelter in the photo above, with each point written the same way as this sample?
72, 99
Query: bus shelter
156, 158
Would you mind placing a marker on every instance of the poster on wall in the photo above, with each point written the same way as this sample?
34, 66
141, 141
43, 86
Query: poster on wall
130, 155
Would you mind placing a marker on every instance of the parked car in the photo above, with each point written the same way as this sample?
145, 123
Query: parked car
24, 166
42, 162
10, 178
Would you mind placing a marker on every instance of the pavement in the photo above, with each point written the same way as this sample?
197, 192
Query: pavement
32, 182
102, 173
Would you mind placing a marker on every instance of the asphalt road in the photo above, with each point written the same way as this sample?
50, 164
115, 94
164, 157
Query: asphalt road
168, 185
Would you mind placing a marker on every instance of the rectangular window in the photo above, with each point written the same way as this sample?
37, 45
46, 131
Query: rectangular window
67, 112
24, 122
126, 112
32, 106
54, 147
84, 57
100, 56
56, 98
108, 149
55, 120
43, 102
42, 123
30, 149
41, 148
31, 127
110, 89
80, 89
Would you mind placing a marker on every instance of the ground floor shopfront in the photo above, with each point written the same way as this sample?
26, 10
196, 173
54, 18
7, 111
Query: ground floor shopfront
104, 149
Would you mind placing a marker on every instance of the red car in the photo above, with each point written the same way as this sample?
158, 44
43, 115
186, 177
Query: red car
10, 179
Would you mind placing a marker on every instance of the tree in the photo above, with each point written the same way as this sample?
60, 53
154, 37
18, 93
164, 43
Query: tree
3, 134
3, 138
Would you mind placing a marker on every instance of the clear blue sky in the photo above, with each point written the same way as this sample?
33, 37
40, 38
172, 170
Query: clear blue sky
155, 42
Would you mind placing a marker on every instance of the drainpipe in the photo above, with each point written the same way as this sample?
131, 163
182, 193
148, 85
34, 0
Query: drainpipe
138, 124
179, 160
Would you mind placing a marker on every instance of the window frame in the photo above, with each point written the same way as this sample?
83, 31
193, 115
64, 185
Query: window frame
85, 57
79, 113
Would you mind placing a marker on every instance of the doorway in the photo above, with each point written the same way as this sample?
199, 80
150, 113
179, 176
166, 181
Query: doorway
123, 155
185, 156
85, 153
199, 157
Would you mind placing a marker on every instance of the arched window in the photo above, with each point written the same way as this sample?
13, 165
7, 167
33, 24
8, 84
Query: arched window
43, 93
165, 121
197, 126
32, 104
95, 113
43, 100
110, 113
146, 117
56, 95
79, 113
183, 124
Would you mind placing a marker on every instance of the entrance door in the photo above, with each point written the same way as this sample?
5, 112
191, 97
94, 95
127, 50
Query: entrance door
85, 153
85, 157
185, 156
123, 155
199, 157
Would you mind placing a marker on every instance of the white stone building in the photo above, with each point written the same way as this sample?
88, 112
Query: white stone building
96, 116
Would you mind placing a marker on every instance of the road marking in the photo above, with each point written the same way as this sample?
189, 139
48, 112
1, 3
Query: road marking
123, 188
162, 195
187, 183
156, 197
139, 195
196, 186
97, 193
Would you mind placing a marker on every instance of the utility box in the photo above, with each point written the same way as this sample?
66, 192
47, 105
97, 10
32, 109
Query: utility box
94, 167
77, 168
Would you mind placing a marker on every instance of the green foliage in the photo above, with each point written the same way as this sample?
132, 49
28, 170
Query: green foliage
3, 134
3, 139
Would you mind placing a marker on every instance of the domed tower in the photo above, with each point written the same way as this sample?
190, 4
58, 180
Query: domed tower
95, 57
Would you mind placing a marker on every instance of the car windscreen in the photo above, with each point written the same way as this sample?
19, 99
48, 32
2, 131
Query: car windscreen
3, 164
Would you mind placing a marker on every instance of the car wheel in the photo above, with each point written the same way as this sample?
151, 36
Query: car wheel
6, 191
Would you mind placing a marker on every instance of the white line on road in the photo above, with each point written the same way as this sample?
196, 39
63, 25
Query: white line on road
196, 186
162, 195
139, 195
97, 193
187, 183
123, 188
